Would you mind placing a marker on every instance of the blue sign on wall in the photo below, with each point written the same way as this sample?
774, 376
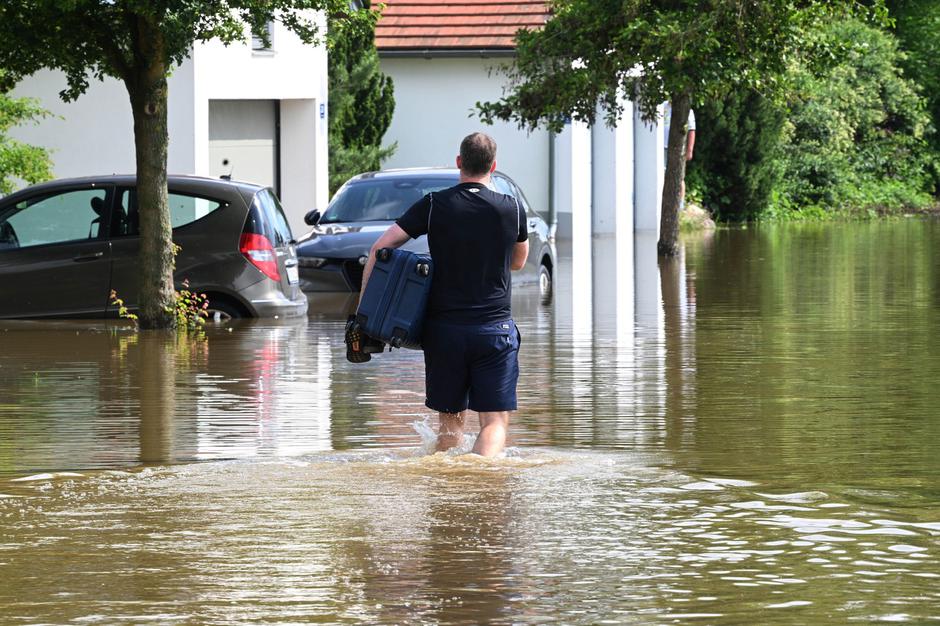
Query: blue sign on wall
322, 110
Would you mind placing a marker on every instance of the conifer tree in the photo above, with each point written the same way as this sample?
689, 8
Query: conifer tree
735, 166
362, 102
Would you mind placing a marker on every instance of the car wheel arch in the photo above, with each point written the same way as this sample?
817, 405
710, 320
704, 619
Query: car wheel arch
546, 260
546, 279
218, 299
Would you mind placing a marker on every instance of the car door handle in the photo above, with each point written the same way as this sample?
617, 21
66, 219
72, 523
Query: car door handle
88, 257
532, 223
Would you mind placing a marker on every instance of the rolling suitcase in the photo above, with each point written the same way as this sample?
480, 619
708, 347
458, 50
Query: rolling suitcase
392, 307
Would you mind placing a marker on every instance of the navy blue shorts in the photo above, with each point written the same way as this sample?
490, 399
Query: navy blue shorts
475, 366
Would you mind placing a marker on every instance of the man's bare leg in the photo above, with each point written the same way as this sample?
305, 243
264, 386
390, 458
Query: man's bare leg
450, 433
492, 437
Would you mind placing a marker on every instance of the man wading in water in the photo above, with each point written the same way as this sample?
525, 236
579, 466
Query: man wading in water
471, 344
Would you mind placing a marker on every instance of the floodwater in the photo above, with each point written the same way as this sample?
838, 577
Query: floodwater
761, 445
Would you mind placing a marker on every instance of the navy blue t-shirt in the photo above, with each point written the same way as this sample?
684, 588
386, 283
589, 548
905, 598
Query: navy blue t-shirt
471, 233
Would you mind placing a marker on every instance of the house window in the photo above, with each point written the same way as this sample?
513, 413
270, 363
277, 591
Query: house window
257, 39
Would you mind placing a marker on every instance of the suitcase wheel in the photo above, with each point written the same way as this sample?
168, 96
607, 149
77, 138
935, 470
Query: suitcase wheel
423, 269
383, 254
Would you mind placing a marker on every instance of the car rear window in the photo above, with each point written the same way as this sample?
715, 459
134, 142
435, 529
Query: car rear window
187, 209
184, 209
380, 199
268, 219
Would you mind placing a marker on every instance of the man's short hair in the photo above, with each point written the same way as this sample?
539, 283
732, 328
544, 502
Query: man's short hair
477, 153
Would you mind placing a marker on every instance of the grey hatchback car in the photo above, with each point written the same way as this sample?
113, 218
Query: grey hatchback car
65, 245
333, 254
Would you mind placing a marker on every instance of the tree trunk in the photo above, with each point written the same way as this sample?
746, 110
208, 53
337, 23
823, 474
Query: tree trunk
675, 175
148, 93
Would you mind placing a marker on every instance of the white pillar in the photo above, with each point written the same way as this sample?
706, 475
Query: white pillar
573, 195
648, 147
200, 113
300, 180
322, 171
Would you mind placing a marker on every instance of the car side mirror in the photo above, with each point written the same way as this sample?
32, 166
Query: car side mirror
312, 218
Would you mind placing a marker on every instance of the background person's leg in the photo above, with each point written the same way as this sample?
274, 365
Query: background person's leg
492, 437
450, 432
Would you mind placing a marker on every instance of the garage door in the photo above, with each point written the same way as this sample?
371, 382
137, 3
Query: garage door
243, 140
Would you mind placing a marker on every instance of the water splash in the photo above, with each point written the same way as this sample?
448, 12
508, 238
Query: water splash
461, 456
429, 440
47, 476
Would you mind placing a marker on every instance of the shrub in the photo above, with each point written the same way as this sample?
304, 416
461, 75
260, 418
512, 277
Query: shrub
735, 144
855, 134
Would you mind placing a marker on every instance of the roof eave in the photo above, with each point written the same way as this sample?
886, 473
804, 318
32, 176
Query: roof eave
429, 53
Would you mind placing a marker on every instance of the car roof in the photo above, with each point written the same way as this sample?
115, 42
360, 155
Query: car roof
413, 172
203, 182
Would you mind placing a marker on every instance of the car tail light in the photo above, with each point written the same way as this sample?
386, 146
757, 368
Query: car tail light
260, 253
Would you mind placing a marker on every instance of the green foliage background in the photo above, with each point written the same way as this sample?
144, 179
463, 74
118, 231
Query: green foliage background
362, 102
853, 135
917, 26
19, 160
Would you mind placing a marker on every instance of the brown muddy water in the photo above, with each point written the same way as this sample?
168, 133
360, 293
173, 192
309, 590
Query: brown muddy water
761, 445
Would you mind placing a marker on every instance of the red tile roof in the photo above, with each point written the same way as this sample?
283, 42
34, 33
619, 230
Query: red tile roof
456, 24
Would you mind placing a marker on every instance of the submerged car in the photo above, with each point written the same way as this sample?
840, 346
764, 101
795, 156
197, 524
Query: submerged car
65, 245
333, 254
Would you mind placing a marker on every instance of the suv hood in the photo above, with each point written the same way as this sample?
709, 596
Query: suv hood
349, 240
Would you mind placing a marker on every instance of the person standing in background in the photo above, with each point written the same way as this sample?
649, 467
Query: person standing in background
689, 143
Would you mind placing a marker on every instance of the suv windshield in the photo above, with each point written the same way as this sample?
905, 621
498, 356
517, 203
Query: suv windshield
378, 199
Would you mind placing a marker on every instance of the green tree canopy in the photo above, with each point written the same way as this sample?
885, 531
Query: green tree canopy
139, 42
362, 102
594, 51
19, 160
855, 132
917, 25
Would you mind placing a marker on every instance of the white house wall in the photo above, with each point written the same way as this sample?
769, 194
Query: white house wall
94, 135
648, 173
299, 158
243, 140
434, 100
296, 75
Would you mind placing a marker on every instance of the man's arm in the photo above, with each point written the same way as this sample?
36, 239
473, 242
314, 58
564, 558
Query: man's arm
689, 145
394, 237
520, 252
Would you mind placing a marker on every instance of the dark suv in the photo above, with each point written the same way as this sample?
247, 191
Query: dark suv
66, 244
333, 254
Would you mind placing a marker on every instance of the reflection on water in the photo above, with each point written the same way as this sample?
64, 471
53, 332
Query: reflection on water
748, 436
